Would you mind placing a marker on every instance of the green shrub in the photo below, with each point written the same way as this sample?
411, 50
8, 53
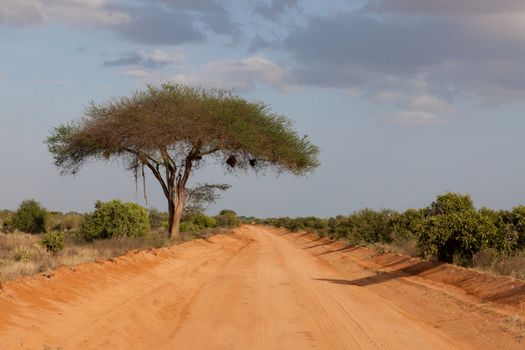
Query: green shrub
197, 222
456, 236
372, 226
204, 221
407, 225
187, 226
157, 218
506, 239
450, 229
115, 219
53, 241
227, 218
340, 227
30, 217
517, 219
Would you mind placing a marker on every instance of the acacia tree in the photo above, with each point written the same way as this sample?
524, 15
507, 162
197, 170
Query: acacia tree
173, 129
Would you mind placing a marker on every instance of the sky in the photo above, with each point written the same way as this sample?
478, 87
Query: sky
405, 98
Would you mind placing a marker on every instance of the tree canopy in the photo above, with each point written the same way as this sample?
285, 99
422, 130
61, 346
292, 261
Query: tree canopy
172, 129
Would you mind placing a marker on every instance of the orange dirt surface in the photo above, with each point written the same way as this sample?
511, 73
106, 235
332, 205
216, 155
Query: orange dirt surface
262, 288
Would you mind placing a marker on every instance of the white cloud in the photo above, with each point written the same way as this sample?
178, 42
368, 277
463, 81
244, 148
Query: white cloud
467, 56
387, 97
415, 118
147, 58
73, 12
21, 12
166, 22
240, 75
160, 56
86, 12
426, 102
142, 77
415, 105
421, 109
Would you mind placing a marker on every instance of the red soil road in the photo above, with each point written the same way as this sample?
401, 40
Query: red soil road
258, 288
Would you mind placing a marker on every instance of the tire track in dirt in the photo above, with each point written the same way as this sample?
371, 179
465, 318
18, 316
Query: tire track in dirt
256, 289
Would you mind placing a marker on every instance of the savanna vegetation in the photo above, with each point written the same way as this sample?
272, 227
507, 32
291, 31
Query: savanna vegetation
450, 229
34, 239
168, 131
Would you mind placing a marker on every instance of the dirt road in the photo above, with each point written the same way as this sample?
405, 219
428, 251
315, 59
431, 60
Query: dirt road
258, 288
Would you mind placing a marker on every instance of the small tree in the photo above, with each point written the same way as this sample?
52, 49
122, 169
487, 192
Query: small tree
456, 236
53, 242
228, 218
173, 129
197, 198
30, 217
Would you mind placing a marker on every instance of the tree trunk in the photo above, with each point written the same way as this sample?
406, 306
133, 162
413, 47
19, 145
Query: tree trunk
171, 217
176, 214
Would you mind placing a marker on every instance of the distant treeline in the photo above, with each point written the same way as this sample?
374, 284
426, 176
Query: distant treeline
450, 229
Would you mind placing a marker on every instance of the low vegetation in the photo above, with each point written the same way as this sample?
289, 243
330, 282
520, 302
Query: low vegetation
30, 217
53, 241
112, 229
115, 219
450, 229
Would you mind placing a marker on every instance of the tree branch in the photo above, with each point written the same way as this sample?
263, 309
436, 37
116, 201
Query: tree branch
157, 175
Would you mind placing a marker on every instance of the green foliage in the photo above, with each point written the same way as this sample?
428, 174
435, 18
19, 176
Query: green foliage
173, 114
517, 220
451, 203
157, 218
371, 226
456, 236
506, 239
53, 241
189, 227
203, 221
450, 229
115, 219
227, 218
198, 222
199, 197
407, 225
30, 217
296, 224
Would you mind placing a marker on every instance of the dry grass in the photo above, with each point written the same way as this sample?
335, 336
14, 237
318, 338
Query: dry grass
22, 254
491, 261
515, 324
67, 222
407, 247
488, 260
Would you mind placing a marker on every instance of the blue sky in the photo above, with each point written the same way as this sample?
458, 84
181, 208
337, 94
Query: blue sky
405, 98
